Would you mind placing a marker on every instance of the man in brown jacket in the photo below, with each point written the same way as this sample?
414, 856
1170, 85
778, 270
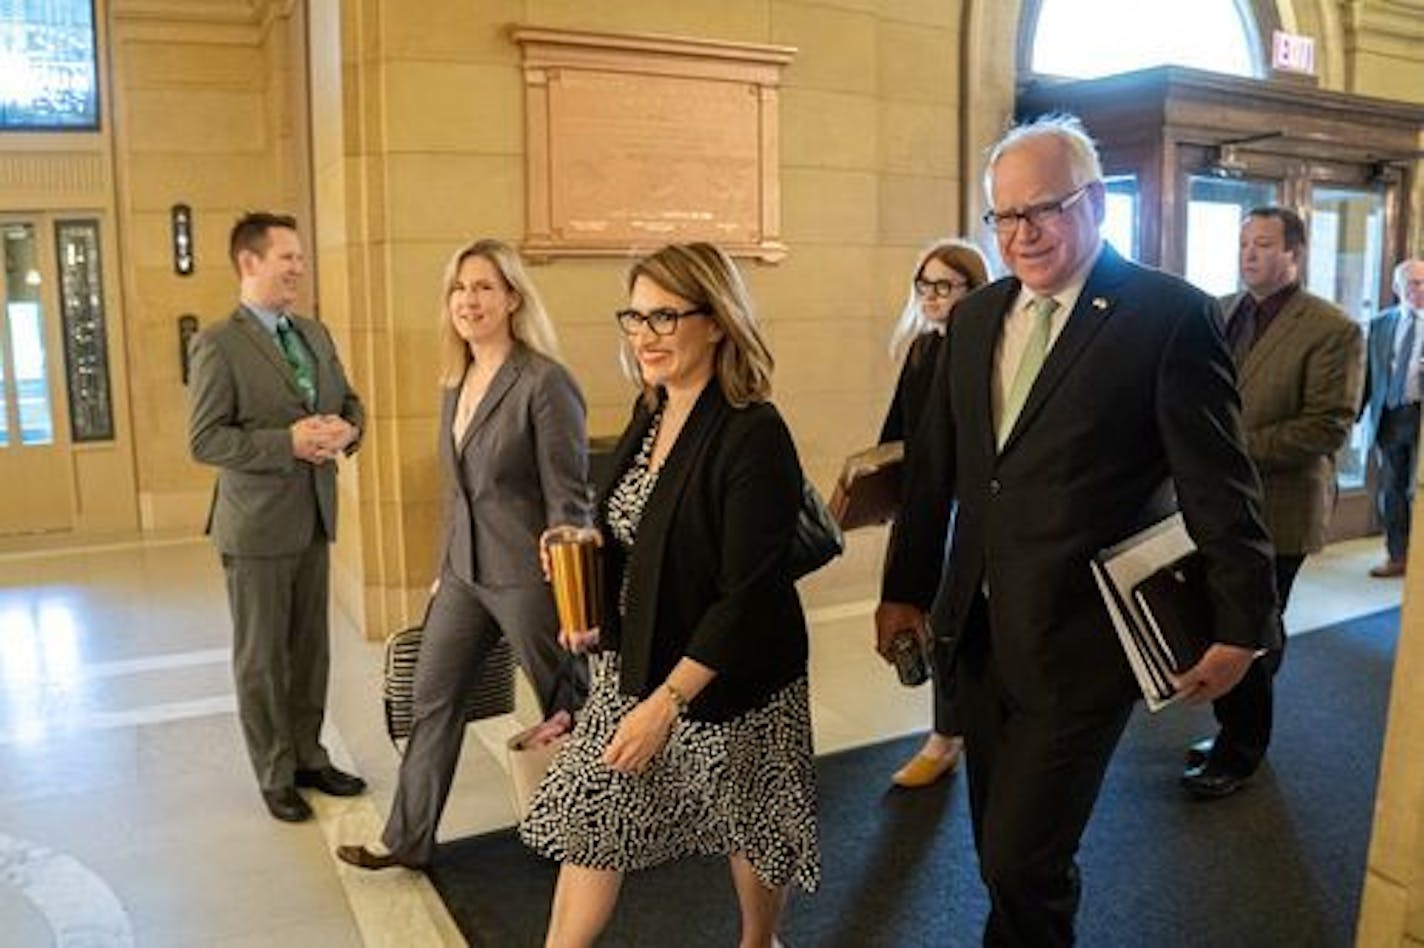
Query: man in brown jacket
1300, 368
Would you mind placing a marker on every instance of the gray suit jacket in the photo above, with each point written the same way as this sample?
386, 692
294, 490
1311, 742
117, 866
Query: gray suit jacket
242, 399
521, 466
1380, 362
1300, 393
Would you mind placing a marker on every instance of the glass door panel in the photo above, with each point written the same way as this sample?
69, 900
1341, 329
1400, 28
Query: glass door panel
1346, 240
1215, 208
34, 465
6, 402
1120, 214
26, 343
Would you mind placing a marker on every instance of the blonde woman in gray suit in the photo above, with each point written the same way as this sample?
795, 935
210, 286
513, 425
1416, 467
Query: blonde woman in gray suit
514, 448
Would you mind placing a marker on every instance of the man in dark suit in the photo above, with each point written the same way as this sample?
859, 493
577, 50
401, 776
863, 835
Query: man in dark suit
1301, 368
1079, 396
1396, 337
270, 407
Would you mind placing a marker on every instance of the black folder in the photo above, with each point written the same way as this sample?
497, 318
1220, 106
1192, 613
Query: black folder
1178, 610
1154, 592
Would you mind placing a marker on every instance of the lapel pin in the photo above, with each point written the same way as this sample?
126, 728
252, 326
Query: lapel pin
1100, 303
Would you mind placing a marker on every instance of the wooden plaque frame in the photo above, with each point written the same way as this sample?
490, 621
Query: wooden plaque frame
637, 140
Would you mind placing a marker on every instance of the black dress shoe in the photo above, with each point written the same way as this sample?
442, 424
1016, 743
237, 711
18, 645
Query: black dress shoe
1211, 781
287, 805
363, 858
332, 782
1197, 752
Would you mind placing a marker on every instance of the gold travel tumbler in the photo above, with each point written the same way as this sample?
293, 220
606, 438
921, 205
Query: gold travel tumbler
577, 574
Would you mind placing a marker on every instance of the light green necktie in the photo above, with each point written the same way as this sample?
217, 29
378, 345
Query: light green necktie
298, 358
1035, 351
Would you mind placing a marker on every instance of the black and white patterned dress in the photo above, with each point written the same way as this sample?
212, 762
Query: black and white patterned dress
744, 786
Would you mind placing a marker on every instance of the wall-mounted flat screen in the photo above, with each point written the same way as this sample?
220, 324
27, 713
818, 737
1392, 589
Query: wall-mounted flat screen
48, 73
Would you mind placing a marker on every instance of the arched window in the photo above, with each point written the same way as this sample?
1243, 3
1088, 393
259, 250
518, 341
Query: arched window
1085, 39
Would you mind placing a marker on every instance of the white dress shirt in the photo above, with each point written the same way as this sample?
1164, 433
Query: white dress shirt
1411, 381
1018, 326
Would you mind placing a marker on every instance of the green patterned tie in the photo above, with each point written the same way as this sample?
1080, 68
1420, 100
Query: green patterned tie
1035, 351
298, 358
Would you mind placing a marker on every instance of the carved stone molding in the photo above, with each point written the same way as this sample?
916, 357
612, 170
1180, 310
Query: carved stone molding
191, 11
54, 178
637, 140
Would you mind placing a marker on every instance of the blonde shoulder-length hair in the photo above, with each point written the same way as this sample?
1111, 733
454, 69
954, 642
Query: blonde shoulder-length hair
963, 258
706, 277
529, 323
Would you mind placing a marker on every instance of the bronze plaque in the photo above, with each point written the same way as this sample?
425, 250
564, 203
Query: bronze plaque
640, 160
638, 141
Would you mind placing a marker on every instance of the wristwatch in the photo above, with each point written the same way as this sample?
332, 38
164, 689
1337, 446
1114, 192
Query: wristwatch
678, 698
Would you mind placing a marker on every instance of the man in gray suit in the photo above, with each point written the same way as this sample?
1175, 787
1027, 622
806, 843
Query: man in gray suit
1394, 373
270, 407
1300, 369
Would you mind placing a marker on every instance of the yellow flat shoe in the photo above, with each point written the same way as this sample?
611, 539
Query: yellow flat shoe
923, 770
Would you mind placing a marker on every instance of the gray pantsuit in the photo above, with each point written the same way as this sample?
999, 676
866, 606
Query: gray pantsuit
464, 623
521, 466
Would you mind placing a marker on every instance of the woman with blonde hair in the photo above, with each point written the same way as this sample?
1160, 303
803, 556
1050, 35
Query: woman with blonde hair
513, 448
696, 738
947, 271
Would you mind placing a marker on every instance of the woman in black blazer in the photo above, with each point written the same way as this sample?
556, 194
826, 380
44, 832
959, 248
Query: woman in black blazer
946, 272
696, 738
513, 449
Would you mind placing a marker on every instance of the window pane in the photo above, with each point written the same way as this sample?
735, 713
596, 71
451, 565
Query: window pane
86, 350
1346, 240
1120, 218
47, 66
27, 341
1072, 38
1215, 207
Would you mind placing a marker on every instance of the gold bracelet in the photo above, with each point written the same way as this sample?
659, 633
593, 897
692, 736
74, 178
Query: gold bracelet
678, 698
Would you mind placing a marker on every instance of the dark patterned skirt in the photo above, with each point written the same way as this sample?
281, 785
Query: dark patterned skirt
741, 787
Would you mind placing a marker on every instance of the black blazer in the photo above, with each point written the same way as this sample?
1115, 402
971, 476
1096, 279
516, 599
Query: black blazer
707, 575
912, 390
1137, 401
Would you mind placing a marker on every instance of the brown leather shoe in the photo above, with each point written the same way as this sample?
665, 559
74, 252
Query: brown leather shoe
1387, 569
363, 858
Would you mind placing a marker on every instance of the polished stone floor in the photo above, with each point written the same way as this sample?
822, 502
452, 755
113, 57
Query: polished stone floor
128, 815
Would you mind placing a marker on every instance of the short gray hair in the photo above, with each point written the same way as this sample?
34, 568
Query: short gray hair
1401, 271
1083, 158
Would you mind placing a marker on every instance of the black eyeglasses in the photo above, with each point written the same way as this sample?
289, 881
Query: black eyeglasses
661, 322
1036, 215
944, 289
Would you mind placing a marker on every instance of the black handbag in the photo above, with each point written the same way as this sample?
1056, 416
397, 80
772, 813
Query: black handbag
818, 538
491, 693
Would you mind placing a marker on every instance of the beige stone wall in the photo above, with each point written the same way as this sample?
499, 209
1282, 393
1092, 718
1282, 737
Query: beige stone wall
1392, 907
1384, 53
1384, 48
204, 113
419, 146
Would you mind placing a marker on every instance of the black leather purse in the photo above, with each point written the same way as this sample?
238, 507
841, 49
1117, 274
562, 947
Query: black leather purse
818, 538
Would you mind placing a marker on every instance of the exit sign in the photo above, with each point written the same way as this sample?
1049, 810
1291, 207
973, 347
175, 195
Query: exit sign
1291, 52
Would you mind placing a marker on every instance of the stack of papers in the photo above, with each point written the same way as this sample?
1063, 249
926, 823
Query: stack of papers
1154, 587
